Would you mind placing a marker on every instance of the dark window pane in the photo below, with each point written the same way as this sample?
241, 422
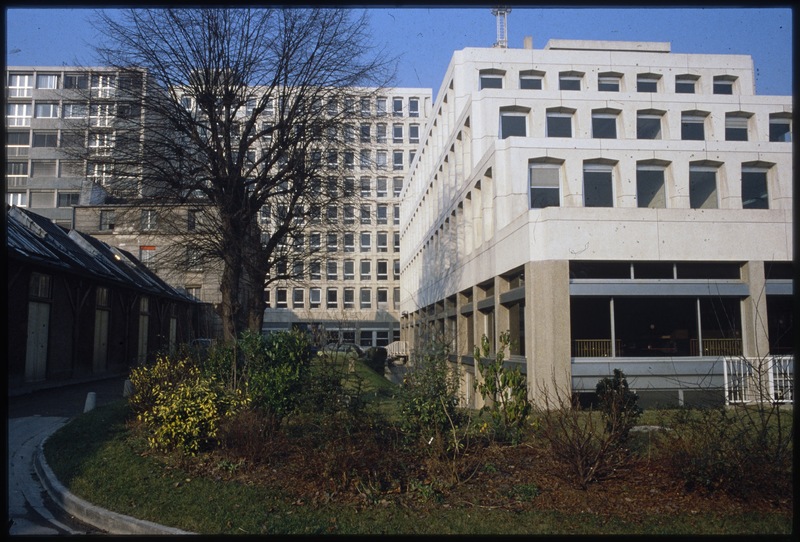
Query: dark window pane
597, 190
558, 126
754, 190
604, 128
650, 188
648, 127
534, 83
512, 125
569, 84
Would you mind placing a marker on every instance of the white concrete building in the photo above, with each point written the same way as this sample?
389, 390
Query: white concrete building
611, 205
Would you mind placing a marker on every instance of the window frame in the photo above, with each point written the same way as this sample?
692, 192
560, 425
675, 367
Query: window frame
594, 195
543, 187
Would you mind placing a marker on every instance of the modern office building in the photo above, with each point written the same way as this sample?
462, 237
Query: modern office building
59, 119
610, 205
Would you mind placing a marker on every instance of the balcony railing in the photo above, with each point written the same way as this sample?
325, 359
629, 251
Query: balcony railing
716, 347
749, 380
593, 348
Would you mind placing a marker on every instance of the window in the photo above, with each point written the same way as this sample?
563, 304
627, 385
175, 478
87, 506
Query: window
396, 306
736, 126
647, 82
149, 220
43, 198
366, 269
315, 271
298, 298
381, 159
101, 142
396, 245
46, 111
366, 298
648, 124
332, 242
692, 125
366, 241
413, 133
193, 260
380, 107
383, 301
382, 241
20, 85
780, 128
333, 298
512, 124
366, 214
608, 82
18, 139
349, 214
723, 84
702, 187
397, 160
569, 80
74, 111
381, 187
491, 79
349, 133
99, 173
333, 187
333, 158
397, 107
754, 188
103, 85
559, 123
396, 269
332, 214
383, 270
68, 199
597, 185
365, 107
314, 241
108, 220
349, 242
76, 81
397, 186
396, 217
397, 133
45, 139
531, 80
604, 124
315, 298
100, 115
685, 84
366, 189
349, 301
544, 182
382, 214
349, 270
43, 168
147, 255
364, 160
365, 133
18, 114
17, 199
331, 270
650, 190
49, 81
380, 133
413, 107
411, 154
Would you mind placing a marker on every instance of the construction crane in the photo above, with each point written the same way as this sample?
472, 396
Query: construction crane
501, 13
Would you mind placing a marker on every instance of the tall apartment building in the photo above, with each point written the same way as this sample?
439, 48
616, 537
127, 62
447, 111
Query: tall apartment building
610, 205
50, 111
349, 289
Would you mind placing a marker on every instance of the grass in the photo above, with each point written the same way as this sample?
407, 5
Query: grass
100, 459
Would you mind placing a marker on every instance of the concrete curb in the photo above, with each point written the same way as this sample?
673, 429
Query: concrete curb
109, 521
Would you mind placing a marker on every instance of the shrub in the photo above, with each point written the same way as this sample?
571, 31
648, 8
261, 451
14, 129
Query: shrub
376, 359
618, 404
504, 390
152, 380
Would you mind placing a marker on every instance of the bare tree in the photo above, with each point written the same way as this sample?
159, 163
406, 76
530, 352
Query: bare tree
242, 112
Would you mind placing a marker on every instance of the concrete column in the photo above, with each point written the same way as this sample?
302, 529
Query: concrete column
755, 338
502, 320
547, 333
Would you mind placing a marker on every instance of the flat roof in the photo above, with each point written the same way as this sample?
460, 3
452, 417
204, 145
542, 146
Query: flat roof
600, 45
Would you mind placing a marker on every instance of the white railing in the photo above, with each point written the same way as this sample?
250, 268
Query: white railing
759, 380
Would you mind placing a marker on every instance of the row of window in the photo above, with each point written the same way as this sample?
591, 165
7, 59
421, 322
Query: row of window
365, 160
21, 85
546, 179
348, 241
606, 81
311, 298
43, 199
559, 122
348, 269
100, 115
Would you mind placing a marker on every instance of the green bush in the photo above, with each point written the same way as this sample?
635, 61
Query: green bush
505, 391
618, 404
150, 381
376, 359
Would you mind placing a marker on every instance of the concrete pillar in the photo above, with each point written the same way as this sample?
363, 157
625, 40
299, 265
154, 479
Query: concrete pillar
755, 337
502, 320
547, 330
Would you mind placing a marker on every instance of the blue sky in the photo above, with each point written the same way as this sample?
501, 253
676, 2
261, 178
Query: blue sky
426, 38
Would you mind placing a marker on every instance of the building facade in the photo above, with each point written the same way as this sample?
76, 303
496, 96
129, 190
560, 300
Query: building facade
609, 205
61, 125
